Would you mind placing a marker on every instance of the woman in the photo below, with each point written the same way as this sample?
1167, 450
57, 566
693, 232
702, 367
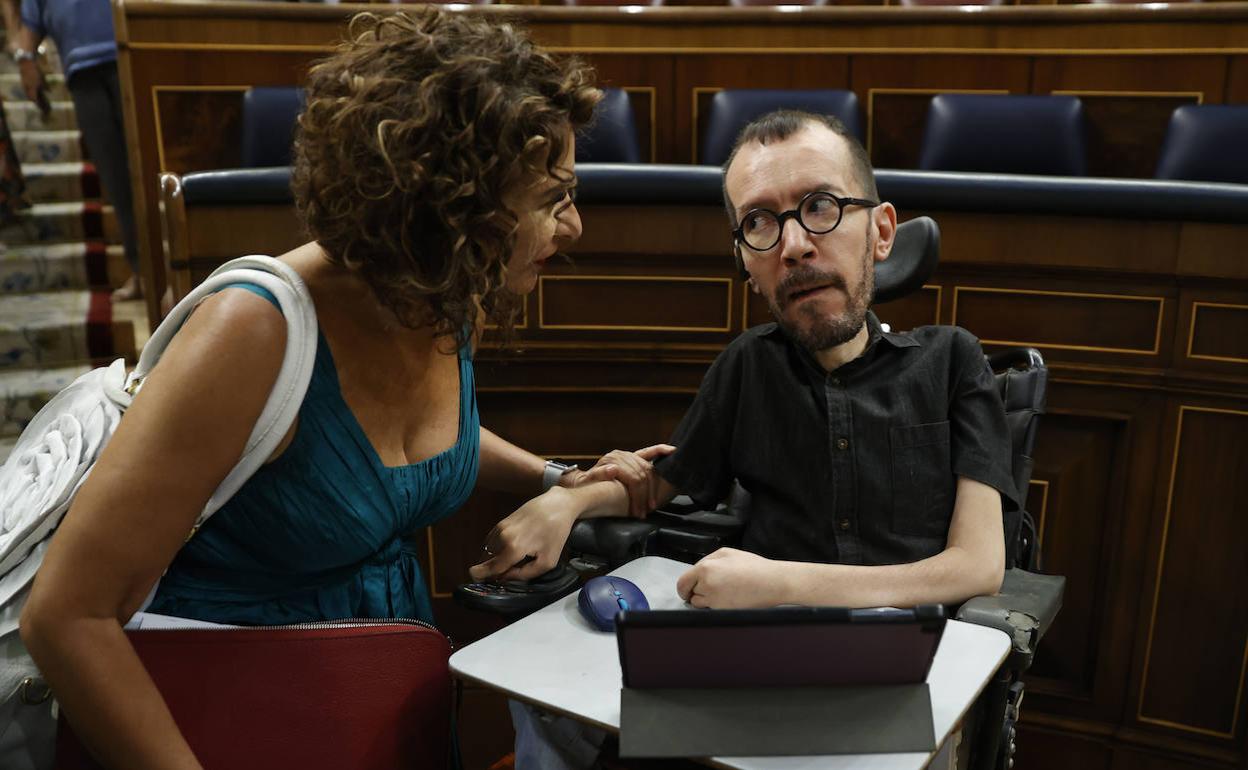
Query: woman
434, 166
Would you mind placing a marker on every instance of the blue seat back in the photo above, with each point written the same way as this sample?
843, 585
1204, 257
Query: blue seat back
732, 110
1206, 143
612, 137
269, 115
1005, 134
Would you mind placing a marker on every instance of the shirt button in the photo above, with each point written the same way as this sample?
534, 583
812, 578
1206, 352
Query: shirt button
836, 381
844, 524
842, 443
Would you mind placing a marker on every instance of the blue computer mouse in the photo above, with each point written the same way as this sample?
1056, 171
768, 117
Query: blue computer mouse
602, 597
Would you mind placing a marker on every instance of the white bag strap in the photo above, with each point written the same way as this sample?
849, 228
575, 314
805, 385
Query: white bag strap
282, 408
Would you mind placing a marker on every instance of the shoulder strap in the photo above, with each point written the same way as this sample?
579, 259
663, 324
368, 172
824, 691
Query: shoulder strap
292, 381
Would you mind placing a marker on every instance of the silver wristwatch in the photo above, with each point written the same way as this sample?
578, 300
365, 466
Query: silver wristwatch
21, 55
553, 472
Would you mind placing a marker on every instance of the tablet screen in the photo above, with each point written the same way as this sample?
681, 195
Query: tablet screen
781, 647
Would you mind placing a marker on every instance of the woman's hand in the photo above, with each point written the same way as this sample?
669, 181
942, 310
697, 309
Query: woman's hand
537, 531
635, 470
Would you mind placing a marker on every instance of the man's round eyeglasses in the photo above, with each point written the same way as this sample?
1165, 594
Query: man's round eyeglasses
817, 212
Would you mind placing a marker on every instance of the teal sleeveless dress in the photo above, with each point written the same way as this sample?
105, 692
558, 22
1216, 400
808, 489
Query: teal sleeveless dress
325, 531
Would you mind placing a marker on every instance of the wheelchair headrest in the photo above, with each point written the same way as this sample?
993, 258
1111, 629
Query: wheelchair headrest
916, 250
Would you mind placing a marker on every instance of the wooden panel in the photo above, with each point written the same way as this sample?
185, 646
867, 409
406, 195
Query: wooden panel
1075, 454
634, 303
224, 232
1204, 249
1125, 759
1105, 323
1237, 81
204, 127
1197, 640
912, 311
648, 81
698, 77
1125, 132
1218, 332
1056, 241
896, 90
1043, 749
1128, 101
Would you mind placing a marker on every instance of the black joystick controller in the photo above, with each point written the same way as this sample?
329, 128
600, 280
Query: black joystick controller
518, 597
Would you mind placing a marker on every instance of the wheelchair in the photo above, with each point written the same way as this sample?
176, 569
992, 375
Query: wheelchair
1024, 609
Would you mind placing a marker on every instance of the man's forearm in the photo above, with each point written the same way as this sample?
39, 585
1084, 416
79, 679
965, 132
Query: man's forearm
951, 576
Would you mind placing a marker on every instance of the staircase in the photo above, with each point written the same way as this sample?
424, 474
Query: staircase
58, 263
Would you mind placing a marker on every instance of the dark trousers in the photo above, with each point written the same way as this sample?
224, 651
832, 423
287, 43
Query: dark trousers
97, 104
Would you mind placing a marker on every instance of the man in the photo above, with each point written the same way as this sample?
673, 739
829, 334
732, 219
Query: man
876, 462
83, 33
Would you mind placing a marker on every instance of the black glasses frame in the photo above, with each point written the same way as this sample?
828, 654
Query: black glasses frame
796, 213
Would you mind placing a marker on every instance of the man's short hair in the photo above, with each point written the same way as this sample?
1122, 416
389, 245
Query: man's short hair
778, 125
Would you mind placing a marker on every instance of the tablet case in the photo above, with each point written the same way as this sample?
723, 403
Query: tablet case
785, 681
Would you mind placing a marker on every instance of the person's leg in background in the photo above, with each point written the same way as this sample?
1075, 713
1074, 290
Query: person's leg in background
548, 742
97, 105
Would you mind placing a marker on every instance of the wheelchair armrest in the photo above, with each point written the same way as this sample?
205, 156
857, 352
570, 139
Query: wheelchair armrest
1023, 610
615, 540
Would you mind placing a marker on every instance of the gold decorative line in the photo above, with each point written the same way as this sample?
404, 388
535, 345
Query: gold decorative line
1200, 95
871, 92
693, 130
909, 51
433, 569
939, 292
1161, 305
1044, 509
157, 90
654, 121
1191, 333
1161, 565
281, 47
541, 303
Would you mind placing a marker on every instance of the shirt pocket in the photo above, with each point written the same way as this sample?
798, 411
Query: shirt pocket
923, 484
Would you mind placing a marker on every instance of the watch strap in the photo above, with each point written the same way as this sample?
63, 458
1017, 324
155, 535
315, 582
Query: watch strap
553, 471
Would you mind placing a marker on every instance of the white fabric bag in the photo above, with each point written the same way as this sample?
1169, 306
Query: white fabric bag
57, 450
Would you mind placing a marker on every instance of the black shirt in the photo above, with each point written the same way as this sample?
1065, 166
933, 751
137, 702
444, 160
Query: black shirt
854, 466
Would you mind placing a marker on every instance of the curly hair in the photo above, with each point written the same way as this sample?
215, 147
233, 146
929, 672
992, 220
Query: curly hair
413, 130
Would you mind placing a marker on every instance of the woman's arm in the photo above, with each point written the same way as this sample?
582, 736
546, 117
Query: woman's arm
184, 431
539, 529
506, 467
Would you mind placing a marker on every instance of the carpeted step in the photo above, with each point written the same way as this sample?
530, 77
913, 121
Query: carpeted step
56, 266
54, 329
24, 392
47, 146
53, 182
12, 91
25, 116
56, 222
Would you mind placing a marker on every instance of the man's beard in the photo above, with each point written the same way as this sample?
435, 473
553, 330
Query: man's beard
825, 330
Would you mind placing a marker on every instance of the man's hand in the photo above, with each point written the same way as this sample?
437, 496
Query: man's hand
538, 529
635, 470
732, 579
31, 79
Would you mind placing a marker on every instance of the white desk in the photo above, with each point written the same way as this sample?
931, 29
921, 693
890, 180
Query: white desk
557, 661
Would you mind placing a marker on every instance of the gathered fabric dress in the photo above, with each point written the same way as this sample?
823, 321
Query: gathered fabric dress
325, 531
